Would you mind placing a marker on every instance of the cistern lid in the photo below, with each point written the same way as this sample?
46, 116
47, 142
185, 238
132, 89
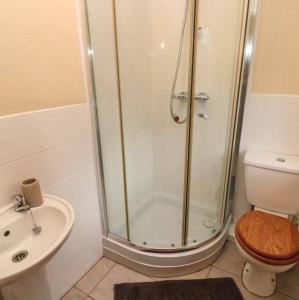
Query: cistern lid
273, 161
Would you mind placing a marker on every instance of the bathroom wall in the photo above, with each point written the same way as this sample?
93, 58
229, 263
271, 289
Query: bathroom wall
276, 65
271, 120
36, 38
56, 146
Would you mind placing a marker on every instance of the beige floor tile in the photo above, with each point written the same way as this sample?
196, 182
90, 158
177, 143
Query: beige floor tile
118, 274
230, 260
288, 282
89, 281
214, 273
278, 296
74, 294
196, 275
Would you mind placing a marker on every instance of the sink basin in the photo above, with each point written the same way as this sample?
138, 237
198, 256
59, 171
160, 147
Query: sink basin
29, 249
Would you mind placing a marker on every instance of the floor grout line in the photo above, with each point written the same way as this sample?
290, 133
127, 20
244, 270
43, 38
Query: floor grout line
210, 267
88, 295
75, 288
115, 263
92, 268
72, 288
291, 297
228, 272
86, 273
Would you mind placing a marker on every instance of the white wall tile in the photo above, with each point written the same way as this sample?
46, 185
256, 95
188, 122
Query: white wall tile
103, 50
166, 25
80, 190
100, 16
166, 5
24, 134
276, 110
48, 166
271, 123
133, 21
225, 10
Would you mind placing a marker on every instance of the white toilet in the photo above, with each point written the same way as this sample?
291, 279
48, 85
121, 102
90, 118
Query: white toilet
267, 237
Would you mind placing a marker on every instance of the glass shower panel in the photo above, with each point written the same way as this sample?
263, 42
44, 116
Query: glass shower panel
148, 35
105, 79
218, 45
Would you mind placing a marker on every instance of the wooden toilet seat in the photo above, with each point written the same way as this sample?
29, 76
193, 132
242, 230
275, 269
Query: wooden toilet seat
268, 238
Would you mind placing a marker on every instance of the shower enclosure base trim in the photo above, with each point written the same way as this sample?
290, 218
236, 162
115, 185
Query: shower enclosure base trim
166, 264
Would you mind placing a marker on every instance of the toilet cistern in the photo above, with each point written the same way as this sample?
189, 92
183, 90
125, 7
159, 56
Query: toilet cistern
266, 236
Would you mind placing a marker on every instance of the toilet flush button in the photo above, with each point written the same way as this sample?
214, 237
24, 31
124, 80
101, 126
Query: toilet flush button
281, 159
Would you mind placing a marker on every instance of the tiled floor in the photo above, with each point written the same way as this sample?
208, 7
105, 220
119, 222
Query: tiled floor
98, 283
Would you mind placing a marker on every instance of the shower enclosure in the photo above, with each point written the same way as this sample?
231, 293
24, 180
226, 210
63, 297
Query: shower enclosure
169, 77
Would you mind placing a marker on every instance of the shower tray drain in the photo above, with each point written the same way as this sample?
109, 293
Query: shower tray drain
208, 223
19, 256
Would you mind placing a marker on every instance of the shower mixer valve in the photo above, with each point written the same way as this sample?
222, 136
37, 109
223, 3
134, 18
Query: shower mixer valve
203, 115
183, 96
202, 96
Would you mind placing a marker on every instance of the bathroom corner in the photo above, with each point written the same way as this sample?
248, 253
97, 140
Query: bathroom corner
46, 128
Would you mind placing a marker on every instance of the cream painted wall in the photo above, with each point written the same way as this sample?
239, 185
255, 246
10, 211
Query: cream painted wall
41, 64
276, 64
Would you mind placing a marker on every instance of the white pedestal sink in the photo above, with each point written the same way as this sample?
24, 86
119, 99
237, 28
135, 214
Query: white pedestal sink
26, 279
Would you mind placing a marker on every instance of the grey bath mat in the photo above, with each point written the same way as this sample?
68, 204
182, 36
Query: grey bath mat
202, 289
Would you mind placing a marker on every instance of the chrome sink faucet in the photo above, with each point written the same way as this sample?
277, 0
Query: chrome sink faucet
20, 204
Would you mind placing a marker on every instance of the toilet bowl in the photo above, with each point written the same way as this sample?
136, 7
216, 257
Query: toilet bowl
266, 237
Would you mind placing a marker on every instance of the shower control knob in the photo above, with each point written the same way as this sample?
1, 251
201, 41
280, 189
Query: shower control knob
203, 115
202, 96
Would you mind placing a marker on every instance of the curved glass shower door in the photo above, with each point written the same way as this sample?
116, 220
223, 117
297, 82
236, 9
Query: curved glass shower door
218, 43
148, 44
165, 157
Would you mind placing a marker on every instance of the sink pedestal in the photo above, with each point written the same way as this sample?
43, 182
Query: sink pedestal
31, 286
